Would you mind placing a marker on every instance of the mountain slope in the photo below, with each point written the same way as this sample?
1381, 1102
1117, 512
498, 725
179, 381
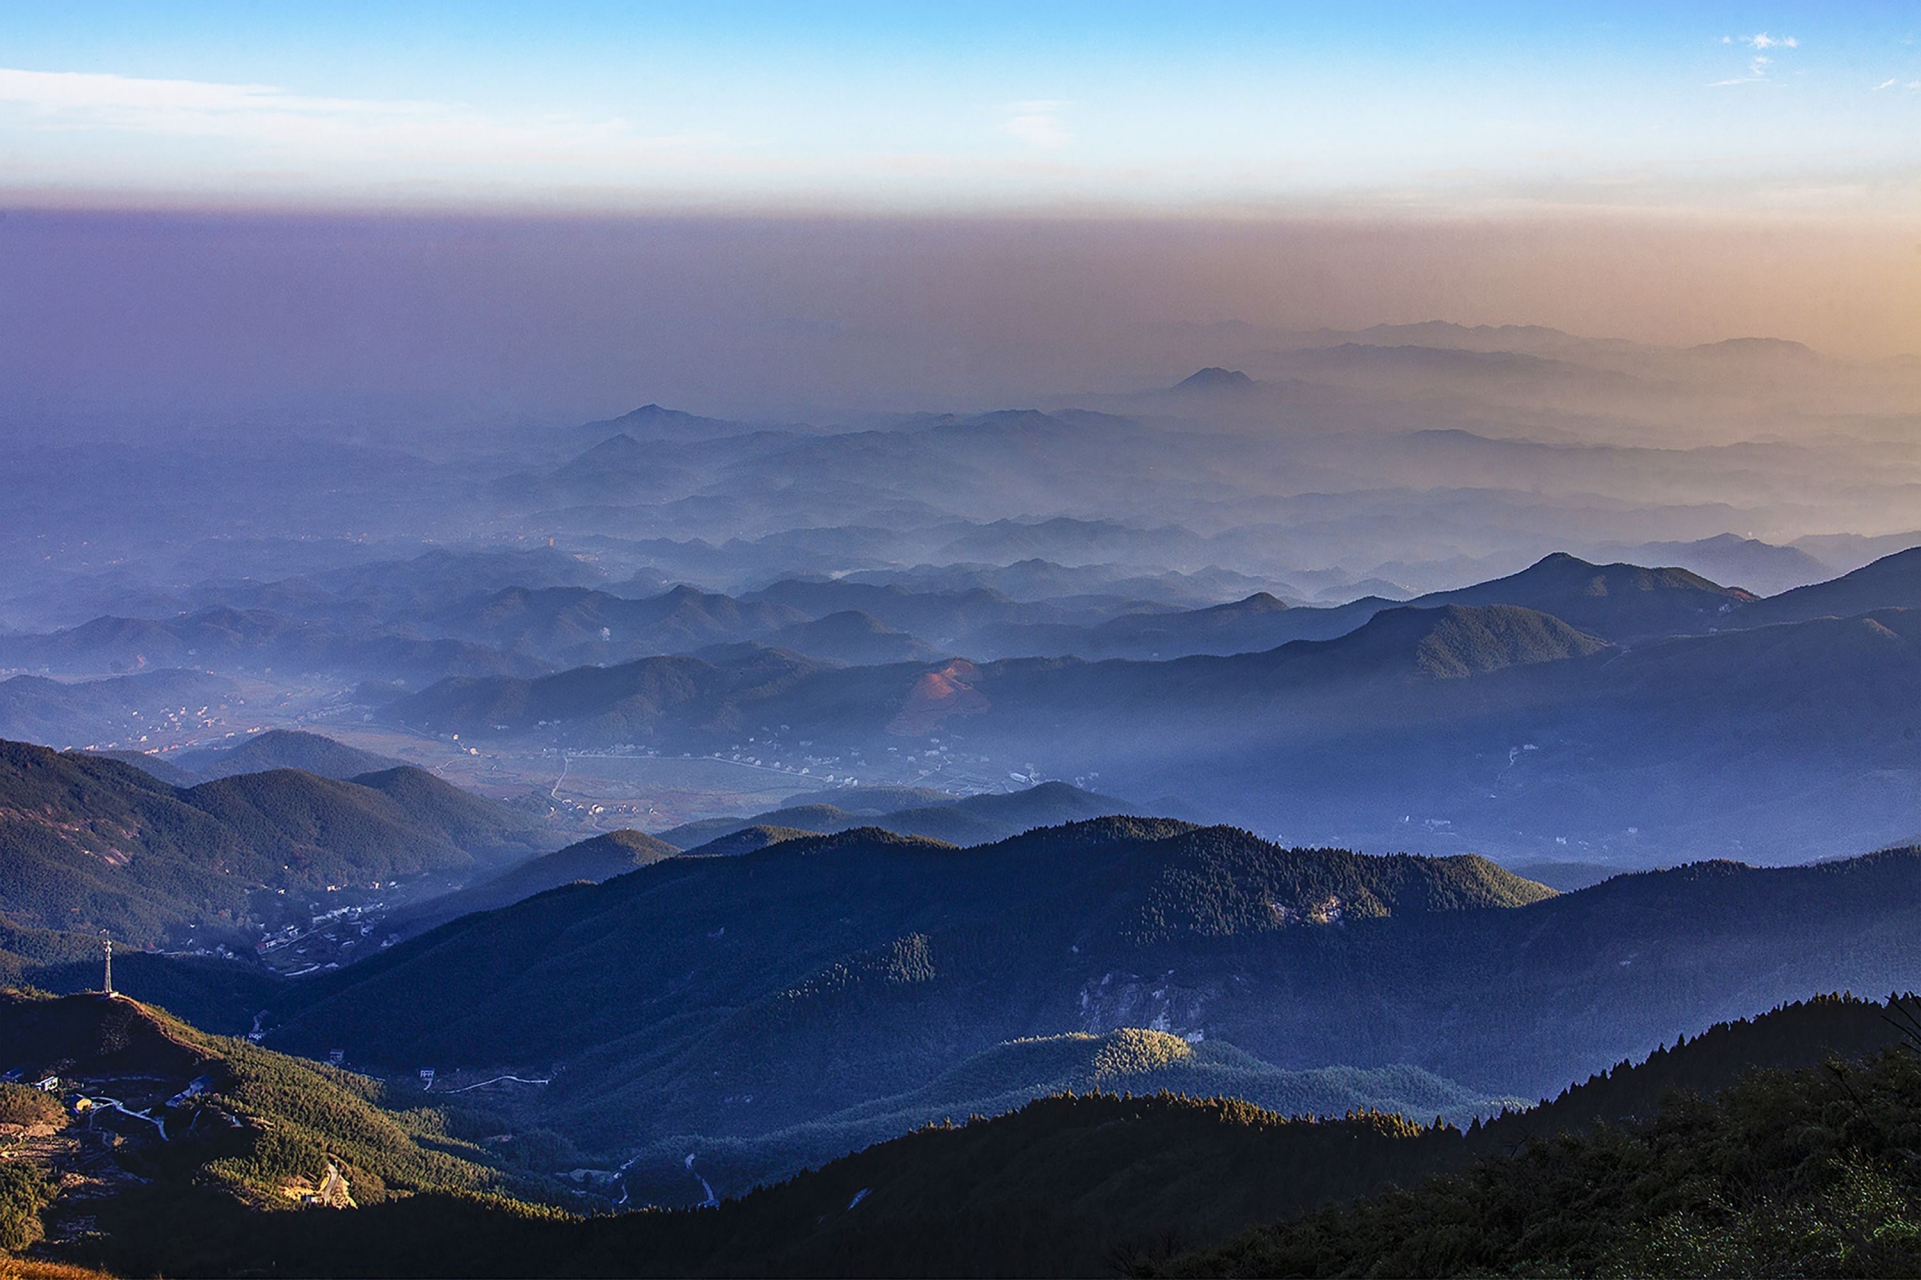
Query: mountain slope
1452, 641
1614, 601
1086, 1185
1008, 1076
225, 1130
598, 858
145, 709
641, 700
669, 991
94, 844
1892, 582
1260, 621
226, 639
1781, 1173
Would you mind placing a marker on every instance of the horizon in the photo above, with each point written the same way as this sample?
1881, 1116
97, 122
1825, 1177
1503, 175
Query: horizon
877, 206
115, 315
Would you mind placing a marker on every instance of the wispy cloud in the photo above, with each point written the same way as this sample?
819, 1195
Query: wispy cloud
1895, 82
1038, 124
1762, 40
270, 115
1758, 64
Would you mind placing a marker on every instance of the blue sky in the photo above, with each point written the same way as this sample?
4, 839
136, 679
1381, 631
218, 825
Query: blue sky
1239, 108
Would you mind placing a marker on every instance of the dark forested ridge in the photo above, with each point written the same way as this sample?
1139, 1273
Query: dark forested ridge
1803, 1172
708, 943
283, 749
752, 975
1690, 1162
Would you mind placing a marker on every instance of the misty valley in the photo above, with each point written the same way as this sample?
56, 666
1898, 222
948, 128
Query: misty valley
1422, 799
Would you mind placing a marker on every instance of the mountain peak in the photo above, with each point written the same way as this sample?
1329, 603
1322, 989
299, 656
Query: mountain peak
1215, 378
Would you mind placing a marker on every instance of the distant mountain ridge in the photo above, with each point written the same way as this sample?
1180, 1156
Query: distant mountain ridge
978, 819
95, 844
1615, 602
1214, 379
1894, 581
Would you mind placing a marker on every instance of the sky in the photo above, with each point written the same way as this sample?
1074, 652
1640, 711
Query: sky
1212, 108
569, 207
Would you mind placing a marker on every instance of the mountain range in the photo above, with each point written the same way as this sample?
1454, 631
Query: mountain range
732, 999
1503, 724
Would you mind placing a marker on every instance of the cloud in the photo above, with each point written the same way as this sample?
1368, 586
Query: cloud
1038, 124
272, 116
1757, 65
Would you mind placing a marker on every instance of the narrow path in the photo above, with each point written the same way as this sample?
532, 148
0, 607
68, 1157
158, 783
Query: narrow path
622, 1174
116, 1104
712, 1201
496, 1080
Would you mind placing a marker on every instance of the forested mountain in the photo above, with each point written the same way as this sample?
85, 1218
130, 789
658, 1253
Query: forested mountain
714, 970
1614, 601
171, 774
214, 1132
759, 969
1006, 1077
1779, 1173
95, 844
1068, 1185
283, 749
1749, 563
